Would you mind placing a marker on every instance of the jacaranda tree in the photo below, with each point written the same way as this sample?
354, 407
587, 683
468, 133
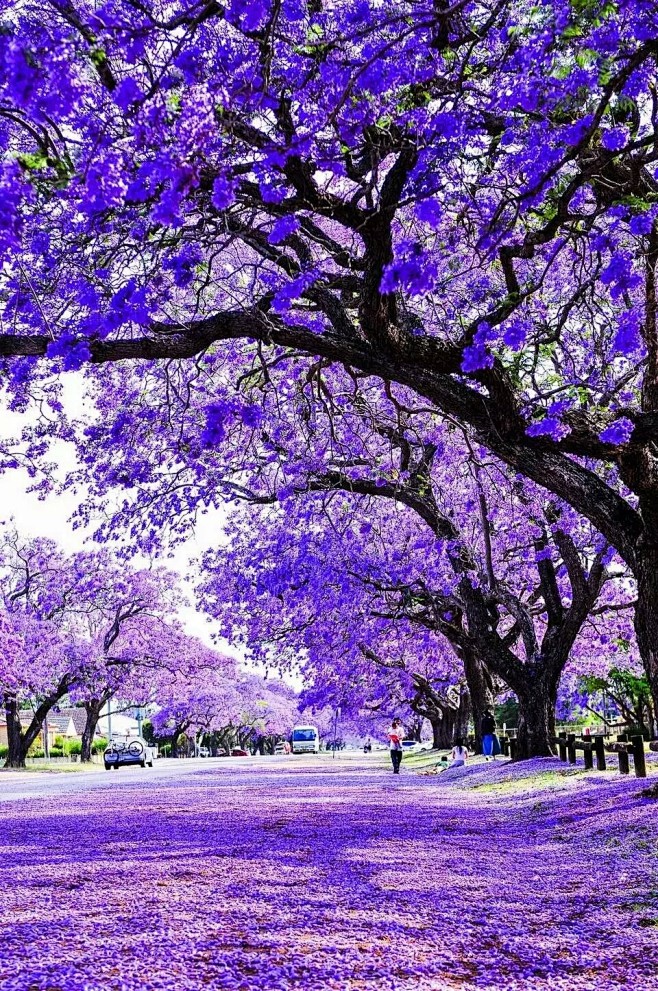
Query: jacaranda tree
370, 597
83, 623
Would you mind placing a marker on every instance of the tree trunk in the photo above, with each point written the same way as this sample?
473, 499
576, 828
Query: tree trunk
451, 723
646, 617
174, 742
93, 709
444, 729
416, 729
537, 702
439, 734
16, 754
480, 690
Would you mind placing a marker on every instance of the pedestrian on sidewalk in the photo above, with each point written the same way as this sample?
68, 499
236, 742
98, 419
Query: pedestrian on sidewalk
488, 729
395, 735
459, 754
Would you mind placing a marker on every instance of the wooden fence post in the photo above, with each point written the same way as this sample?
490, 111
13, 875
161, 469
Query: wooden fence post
512, 747
504, 745
562, 746
571, 747
589, 756
639, 761
599, 749
624, 764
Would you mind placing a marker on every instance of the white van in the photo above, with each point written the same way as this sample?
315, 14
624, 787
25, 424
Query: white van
305, 740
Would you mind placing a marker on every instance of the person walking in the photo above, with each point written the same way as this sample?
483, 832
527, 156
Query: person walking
488, 729
395, 734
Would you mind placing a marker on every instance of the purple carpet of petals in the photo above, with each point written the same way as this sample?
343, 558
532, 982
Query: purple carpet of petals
342, 877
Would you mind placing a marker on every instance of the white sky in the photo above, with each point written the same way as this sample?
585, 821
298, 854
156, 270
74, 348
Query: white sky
51, 517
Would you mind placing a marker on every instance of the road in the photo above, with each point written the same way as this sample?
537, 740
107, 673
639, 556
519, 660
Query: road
31, 784
272, 874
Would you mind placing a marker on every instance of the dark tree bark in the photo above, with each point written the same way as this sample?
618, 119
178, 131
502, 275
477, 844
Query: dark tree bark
19, 740
174, 739
93, 709
16, 752
452, 725
480, 689
536, 718
447, 716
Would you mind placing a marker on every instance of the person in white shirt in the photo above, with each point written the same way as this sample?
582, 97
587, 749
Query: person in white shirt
459, 754
395, 734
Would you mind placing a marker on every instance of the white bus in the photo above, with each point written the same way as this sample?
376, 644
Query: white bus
305, 740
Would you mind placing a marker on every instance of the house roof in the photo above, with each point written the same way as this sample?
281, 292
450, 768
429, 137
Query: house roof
77, 714
58, 722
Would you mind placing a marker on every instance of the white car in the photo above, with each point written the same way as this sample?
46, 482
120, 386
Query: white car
127, 750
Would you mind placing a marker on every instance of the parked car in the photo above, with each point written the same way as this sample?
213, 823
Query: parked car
204, 752
280, 748
127, 750
411, 746
239, 752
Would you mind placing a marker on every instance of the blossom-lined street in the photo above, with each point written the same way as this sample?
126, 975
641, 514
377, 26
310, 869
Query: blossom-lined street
328, 874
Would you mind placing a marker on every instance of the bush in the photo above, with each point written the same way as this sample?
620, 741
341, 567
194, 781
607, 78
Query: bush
56, 751
147, 732
4, 750
36, 752
74, 747
99, 745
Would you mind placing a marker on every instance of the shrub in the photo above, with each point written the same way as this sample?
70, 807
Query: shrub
74, 747
98, 745
36, 752
59, 742
56, 751
4, 750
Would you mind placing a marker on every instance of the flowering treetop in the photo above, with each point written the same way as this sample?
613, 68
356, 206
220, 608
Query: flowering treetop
426, 192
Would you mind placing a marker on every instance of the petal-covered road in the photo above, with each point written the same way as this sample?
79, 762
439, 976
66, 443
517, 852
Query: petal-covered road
329, 876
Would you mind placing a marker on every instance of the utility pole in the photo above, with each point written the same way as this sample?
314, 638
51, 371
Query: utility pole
336, 715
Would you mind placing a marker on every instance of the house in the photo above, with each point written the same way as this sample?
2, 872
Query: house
59, 724
77, 714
